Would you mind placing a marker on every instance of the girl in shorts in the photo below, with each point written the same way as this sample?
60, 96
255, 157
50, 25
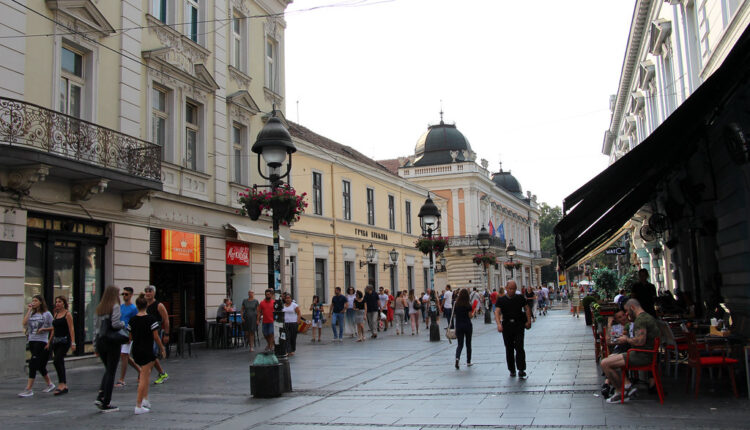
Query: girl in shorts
144, 331
317, 317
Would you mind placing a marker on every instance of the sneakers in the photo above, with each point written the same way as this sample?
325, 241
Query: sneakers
617, 397
146, 404
469, 364
162, 377
26, 393
50, 388
98, 403
109, 408
512, 374
142, 410
522, 374
630, 391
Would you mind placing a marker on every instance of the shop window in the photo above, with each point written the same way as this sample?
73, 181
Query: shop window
426, 278
348, 275
394, 278
372, 274
410, 277
293, 276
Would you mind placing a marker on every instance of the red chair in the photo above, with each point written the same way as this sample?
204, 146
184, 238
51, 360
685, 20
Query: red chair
652, 367
697, 363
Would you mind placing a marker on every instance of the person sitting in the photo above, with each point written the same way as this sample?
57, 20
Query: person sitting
617, 327
221, 312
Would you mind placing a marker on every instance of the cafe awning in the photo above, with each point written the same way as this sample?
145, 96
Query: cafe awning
252, 234
597, 211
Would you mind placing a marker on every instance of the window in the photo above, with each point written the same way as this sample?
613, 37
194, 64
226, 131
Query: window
159, 10
159, 118
348, 274
392, 212
407, 215
317, 193
71, 82
372, 274
191, 136
271, 66
394, 278
370, 206
410, 277
426, 278
191, 19
320, 279
238, 36
293, 276
237, 153
346, 187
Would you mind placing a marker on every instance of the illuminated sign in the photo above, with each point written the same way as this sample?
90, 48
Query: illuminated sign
180, 246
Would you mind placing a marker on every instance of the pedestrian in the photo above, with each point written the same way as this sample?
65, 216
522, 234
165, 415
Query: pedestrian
63, 339
144, 334
425, 306
493, 298
530, 300
383, 303
249, 311
644, 292
339, 305
447, 304
475, 300
389, 310
317, 317
463, 313
38, 324
359, 315
414, 306
351, 327
372, 309
107, 319
127, 310
398, 312
158, 311
265, 314
575, 299
512, 314
292, 318
433, 312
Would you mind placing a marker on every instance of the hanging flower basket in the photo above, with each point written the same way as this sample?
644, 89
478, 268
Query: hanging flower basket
282, 202
486, 260
512, 265
437, 244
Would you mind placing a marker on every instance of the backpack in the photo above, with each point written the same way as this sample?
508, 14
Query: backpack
417, 305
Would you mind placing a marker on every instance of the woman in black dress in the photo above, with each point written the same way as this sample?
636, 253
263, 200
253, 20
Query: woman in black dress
63, 339
462, 315
530, 296
144, 331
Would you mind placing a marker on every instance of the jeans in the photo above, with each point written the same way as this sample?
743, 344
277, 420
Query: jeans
372, 322
337, 318
350, 320
39, 358
464, 332
60, 350
513, 339
110, 356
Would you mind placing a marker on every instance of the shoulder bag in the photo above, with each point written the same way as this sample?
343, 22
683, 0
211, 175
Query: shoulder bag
450, 333
119, 336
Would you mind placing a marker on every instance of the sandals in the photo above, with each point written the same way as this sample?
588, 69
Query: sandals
59, 392
120, 384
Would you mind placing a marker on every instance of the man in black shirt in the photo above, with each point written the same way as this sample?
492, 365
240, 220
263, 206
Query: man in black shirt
372, 308
512, 314
644, 292
337, 312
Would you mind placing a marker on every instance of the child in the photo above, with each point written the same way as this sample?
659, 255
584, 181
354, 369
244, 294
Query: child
317, 317
144, 331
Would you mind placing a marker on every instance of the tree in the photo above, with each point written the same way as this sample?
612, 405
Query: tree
549, 217
606, 282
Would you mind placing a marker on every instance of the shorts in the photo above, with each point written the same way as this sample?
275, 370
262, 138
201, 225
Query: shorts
317, 324
267, 329
156, 347
125, 348
638, 358
144, 359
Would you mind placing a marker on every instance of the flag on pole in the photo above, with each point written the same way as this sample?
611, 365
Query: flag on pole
492, 229
501, 230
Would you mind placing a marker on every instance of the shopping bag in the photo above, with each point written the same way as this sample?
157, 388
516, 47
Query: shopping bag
303, 326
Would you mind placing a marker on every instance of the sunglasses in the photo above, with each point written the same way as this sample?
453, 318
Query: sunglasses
125, 294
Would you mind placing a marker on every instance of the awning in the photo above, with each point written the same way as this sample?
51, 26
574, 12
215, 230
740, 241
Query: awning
598, 210
251, 234
606, 244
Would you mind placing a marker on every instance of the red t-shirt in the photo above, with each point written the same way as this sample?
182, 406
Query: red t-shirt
493, 296
266, 308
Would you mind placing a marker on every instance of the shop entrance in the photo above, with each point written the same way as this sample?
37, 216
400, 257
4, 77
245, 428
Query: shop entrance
180, 287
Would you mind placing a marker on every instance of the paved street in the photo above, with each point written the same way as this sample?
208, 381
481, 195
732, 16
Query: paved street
392, 382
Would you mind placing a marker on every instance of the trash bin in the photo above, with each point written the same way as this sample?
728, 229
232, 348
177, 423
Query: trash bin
266, 380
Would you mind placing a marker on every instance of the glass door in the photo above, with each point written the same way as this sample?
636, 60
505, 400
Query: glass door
89, 292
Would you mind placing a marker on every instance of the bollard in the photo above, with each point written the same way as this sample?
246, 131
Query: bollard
266, 380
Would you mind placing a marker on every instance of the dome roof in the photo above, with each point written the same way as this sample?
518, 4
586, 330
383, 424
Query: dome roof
442, 144
507, 182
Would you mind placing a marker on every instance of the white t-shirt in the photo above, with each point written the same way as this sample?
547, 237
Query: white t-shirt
617, 298
290, 315
383, 300
425, 298
350, 298
545, 292
448, 299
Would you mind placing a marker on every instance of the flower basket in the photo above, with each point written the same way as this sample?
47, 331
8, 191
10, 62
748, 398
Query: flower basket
486, 260
282, 202
518, 265
509, 265
253, 209
426, 245
439, 244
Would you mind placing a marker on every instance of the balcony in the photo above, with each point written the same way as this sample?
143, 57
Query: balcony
74, 149
470, 241
445, 169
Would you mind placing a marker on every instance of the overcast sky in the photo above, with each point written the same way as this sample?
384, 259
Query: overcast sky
527, 82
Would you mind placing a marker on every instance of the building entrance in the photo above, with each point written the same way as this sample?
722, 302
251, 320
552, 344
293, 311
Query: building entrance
181, 288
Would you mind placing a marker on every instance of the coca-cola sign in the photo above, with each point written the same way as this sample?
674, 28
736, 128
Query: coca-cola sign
238, 254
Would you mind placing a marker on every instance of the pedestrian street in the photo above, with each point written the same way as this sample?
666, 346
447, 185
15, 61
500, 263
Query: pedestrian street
400, 382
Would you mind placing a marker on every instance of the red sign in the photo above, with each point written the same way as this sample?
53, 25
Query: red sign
180, 246
238, 253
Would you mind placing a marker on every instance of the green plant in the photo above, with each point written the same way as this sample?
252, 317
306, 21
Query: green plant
282, 201
426, 245
627, 279
596, 313
605, 282
587, 301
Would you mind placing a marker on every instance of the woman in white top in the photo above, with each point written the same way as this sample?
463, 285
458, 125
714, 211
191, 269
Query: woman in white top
38, 324
398, 312
292, 317
350, 327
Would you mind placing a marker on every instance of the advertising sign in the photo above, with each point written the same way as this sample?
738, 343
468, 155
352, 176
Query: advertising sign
180, 246
238, 254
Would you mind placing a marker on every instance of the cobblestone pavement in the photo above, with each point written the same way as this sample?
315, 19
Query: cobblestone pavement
403, 382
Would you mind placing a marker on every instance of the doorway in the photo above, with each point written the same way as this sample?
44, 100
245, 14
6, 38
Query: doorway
181, 288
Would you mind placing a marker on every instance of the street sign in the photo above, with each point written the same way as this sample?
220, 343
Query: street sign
615, 251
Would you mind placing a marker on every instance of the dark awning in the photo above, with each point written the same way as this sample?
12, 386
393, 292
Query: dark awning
597, 210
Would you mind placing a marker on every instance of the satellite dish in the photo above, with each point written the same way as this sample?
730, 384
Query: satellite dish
647, 233
659, 223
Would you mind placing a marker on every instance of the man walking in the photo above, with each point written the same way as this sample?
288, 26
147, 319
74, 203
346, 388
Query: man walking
265, 314
372, 309
337, 313
447, 303
158, 311
127, 310
512, 314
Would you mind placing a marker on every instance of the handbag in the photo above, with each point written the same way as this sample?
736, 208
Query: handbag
450, 333
119, 337
417, 306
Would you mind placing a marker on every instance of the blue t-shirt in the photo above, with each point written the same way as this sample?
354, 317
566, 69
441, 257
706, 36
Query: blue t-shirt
127, 311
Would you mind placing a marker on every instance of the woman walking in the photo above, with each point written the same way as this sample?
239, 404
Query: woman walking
359, 316
38, 324
292, 317
317, 316
530, 296
63, 339
398, 312
350, 327
107, 318
575, 299
144, 331
462, 320
414, 306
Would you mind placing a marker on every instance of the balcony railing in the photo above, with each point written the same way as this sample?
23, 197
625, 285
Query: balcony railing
29, 125
470, 241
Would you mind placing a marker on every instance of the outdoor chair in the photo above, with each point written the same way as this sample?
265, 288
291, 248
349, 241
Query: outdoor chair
653, 367
696, 362
671, 347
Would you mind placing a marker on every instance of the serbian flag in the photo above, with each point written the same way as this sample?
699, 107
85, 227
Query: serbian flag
501, 231
492, 229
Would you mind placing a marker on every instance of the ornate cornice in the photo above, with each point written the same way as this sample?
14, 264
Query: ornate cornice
21, 179
240, 78
84, 190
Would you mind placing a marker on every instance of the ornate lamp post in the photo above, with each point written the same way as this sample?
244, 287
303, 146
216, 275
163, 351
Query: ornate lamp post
510, 251
392, 259
483, 242
273, 144
429, 220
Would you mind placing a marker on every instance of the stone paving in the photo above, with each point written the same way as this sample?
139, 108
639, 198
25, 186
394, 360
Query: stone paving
403, 382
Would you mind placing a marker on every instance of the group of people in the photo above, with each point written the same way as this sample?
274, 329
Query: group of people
148, 331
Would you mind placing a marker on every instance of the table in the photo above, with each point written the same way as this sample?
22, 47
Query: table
235, 332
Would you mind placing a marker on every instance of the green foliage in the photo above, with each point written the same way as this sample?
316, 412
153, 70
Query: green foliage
549, 217
606, 282
587, 301
627, 279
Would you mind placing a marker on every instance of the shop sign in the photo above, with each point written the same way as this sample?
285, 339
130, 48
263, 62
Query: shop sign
615, 251
180, 246
372, 234
238, 254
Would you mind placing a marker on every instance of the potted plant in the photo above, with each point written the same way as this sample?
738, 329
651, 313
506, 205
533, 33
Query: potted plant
283, 202
427, 245
487, 259
439, 244
586, 303
424, 245
509, 265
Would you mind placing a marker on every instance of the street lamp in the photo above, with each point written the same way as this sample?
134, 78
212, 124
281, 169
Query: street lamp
273, 144
510, 251
483, 242
369, 256
429, 220
442, 264
392, 258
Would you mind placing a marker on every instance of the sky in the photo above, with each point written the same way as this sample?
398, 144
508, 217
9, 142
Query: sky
527, 82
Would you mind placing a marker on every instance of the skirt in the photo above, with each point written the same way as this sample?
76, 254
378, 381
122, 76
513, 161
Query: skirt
359, 316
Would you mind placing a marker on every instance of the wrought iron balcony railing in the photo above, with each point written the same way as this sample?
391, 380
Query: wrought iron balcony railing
29, 125
470, 241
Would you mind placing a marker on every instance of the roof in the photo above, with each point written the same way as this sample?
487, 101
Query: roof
329, 145
441, 144
392, 164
